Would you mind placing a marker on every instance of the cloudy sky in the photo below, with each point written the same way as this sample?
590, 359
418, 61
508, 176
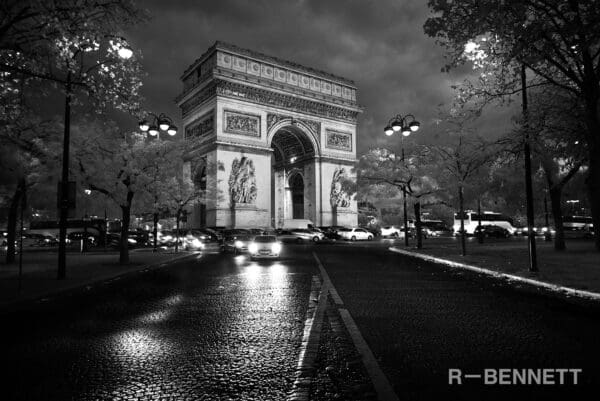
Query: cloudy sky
379, 44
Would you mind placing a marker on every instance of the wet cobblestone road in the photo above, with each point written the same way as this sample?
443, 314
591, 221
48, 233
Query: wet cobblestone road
224, 328
215, 328
422, 319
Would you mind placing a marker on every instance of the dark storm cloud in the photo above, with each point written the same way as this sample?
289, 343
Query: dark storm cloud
378, 44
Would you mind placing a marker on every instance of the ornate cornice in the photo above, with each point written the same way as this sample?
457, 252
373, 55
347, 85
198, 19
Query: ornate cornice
219, 45
279, 100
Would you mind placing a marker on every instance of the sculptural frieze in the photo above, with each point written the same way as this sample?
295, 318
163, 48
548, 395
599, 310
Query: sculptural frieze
241, 124
268, 98
338, 140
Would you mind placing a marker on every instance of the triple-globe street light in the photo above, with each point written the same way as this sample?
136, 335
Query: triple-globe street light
405, 125
157, 123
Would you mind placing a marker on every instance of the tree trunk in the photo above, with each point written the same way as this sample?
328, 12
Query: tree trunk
592, 103
418, 224
463, 241
479, 230
593, 184
155, 231
11, 227
177, 217
126, 217
559, 236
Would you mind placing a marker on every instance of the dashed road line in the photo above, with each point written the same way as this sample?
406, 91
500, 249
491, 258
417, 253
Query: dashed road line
382, 386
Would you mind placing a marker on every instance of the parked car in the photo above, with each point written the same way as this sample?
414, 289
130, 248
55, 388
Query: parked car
309, 234
264, 246
330, 233
237, 243
375, 231
353, 234
75, 238
436, 229
134, 239
390, 231
491, 230
199, 239
48, 240
300, 235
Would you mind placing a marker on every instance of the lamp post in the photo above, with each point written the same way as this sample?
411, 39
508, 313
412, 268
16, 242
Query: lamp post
405, 125
528, 185
86, 219
124, 52
158, 123
573, 202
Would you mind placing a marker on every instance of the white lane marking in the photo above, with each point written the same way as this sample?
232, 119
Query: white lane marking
311, 338
384, 390
326, 280
510, 277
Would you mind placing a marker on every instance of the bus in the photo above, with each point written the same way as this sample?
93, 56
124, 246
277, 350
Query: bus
578, 223
471, 221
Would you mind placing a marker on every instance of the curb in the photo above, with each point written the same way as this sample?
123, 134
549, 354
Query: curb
589, 295
87, 284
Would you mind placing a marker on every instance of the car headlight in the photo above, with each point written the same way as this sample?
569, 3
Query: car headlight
131, 241
238, 244
253, 248
276, 247
197, 243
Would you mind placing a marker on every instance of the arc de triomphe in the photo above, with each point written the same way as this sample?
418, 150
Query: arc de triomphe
273, 140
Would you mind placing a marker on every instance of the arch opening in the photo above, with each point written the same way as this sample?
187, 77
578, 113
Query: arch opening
292, 160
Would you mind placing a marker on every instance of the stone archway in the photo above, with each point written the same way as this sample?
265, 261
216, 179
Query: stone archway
257, 121
294, 163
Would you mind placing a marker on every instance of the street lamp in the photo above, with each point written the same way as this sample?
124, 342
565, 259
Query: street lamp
158, 123
405, 125
123, 51
573, 202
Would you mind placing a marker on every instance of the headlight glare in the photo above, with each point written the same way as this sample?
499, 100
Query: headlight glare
276, 247
253, 248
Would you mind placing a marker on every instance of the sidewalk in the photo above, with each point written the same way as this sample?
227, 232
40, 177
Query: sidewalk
578, 267
40, 270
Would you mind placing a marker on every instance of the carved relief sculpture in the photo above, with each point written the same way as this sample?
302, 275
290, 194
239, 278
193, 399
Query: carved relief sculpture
338, 140
242, 181
273, 119
241, 124
339, 197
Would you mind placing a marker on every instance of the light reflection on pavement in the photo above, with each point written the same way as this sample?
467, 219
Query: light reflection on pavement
219, 327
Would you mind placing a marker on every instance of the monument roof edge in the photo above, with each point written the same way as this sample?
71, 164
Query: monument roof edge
220, 45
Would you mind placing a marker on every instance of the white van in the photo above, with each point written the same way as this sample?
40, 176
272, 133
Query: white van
289, 224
